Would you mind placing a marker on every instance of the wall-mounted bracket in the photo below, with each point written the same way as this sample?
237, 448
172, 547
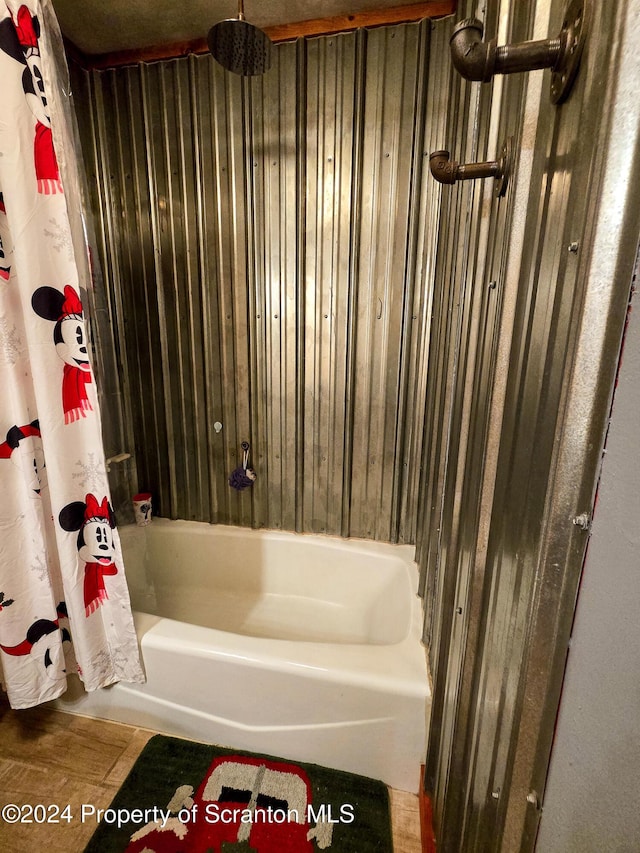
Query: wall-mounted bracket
478, 60
448, 172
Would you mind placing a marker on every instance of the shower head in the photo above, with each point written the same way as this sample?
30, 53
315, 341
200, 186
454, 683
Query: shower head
240, 46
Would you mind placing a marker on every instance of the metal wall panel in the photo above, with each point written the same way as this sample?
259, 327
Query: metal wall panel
279, 259
329, 219
522, 361
264, 250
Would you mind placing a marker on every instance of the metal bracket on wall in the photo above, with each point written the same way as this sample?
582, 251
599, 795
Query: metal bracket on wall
478, 60
448, 172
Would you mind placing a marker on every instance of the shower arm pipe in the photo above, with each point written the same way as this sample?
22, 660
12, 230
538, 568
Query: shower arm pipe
447, 171
477, 60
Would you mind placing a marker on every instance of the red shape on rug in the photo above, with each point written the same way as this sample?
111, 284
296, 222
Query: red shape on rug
247, 801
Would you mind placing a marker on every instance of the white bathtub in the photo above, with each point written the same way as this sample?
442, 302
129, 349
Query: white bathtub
306, 647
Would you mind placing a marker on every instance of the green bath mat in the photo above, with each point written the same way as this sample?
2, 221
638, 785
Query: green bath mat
186, 797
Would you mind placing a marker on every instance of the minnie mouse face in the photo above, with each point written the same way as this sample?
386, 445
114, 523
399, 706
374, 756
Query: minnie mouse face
69, 334
51, 654
95, 543
29, 457
33, 86
19, 38
94, 522
64, 308
45, 644
71, 343
24, 447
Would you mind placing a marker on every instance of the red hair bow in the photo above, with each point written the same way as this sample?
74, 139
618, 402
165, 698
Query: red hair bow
96, 510
72, 304
25, 29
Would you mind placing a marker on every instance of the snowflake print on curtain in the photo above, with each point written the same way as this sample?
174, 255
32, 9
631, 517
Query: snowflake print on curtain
64, 603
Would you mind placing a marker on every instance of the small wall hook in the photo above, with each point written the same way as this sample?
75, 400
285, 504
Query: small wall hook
448, 172
478, 60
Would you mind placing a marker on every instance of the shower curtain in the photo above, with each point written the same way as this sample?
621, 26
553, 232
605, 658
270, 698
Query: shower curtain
64, 603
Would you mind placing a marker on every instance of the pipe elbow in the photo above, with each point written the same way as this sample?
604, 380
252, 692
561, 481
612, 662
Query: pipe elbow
442, 169
449, 172
472, 58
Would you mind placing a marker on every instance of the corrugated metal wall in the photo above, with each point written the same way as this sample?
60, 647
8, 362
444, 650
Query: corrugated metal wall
266, 248
279, 259
524, 347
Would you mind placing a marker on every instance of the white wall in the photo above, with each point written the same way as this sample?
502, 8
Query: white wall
592, 801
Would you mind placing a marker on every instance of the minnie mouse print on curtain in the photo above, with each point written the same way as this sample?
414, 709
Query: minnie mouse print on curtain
64, 602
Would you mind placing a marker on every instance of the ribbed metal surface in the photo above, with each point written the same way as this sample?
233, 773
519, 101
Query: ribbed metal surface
267, 258
523, 353
279, 259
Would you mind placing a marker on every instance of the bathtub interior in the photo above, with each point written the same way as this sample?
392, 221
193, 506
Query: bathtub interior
272, 584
